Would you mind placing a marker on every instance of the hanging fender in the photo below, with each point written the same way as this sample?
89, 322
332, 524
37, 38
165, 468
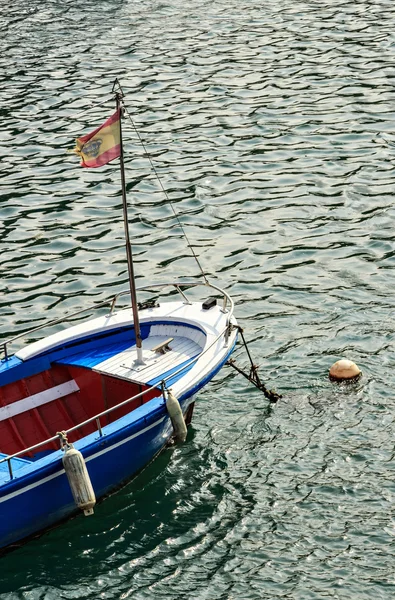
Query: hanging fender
79, 480
176, 417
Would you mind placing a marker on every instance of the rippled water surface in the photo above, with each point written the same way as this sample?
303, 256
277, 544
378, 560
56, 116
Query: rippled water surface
272, 127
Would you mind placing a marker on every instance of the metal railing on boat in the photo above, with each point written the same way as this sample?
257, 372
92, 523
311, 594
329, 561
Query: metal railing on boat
224, 333
177, 285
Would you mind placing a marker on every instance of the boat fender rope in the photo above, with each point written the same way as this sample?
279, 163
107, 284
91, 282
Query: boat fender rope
64, 442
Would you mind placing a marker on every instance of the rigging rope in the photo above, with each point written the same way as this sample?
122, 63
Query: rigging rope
116, 83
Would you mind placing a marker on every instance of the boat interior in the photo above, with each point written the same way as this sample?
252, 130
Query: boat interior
76, 382
34, 408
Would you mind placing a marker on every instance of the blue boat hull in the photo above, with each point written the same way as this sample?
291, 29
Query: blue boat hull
36, 494
33, 503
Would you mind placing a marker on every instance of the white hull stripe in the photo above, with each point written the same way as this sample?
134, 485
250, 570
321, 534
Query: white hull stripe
42, 481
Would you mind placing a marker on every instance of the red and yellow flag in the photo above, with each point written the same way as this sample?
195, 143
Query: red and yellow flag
102, 145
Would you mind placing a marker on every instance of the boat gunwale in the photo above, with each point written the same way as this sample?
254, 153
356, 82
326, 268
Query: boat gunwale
113, 301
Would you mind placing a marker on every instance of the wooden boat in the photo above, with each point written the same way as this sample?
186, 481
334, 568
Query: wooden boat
85, 382
106, 394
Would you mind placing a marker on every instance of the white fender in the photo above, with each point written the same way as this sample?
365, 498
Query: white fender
176, 416
79, 480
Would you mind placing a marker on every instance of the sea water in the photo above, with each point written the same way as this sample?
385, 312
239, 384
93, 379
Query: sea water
271, 126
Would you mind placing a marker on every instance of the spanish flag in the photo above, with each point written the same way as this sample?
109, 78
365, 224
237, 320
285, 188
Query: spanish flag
102, 145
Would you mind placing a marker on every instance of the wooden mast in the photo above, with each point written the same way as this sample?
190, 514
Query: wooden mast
129, 255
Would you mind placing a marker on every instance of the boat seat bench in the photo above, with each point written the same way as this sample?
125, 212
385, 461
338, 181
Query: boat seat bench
36, 400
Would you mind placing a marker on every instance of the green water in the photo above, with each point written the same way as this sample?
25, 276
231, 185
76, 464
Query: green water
272, 127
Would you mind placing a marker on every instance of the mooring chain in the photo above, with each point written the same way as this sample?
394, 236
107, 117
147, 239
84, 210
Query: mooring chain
253, 376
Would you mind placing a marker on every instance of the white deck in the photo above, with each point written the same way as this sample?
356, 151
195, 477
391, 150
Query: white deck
182, 349
206, 336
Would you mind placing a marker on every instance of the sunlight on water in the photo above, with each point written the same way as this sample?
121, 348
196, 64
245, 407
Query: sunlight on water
271, 126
